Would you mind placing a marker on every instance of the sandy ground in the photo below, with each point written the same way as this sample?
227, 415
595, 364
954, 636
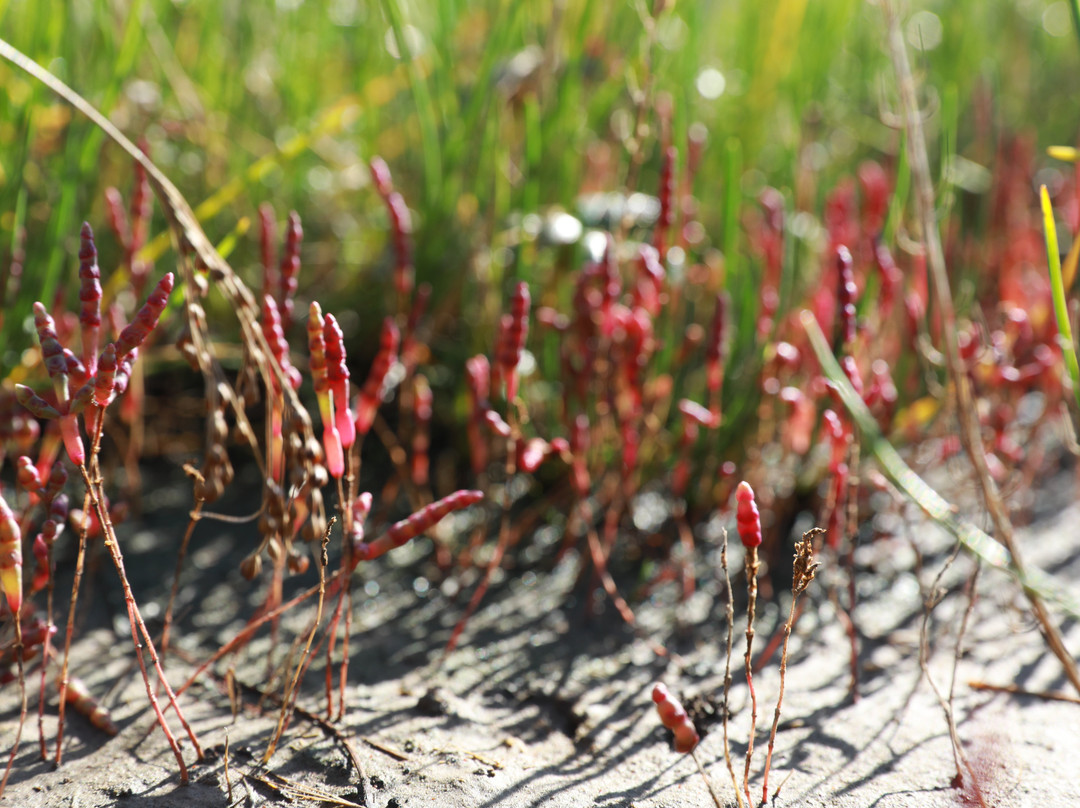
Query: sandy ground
543, 707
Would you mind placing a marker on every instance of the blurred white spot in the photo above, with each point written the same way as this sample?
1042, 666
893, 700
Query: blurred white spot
319, 179
1055, 20
414, 41
562, 228
143, 93
924, 30
710, 83
343, 12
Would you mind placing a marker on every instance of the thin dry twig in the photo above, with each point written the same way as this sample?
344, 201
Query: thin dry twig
729, 613
967, 412
802, 574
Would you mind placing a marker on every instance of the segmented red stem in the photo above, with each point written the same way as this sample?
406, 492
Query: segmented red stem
89, 298
146, 319
747, 517
290, 269
371, 394
419, 522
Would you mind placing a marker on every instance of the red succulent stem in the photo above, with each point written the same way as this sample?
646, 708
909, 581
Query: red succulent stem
416, 524
290, 269
371, 393
146, 319
89, 299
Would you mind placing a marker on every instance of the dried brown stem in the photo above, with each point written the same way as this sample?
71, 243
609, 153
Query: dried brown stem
803, 573
729, 611
289, 696
80, 564
966, 409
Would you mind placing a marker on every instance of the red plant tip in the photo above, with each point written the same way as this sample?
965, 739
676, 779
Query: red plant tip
360, 510
274, 333
290, 268
513, 335
38, 407
772, 205
875, 189
532, 454
747, 517
27, 474
267, 238
105, 380
89, 298
371, 394
10, 558
114, 208
401, 226
418, 523
380, 175
52, 352
337, 374
674, 717
478, 376
851, 370
693, 411
146, 319
69, 431
845, 294
497, 424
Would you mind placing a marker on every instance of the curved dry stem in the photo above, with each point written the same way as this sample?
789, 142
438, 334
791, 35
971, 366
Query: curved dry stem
289, 696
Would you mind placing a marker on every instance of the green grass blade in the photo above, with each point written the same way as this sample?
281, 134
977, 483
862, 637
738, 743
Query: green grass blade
933, 504
425, 107
1057, 287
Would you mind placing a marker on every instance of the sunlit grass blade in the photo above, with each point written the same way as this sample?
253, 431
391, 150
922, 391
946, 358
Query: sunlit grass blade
1057, 287
933, 504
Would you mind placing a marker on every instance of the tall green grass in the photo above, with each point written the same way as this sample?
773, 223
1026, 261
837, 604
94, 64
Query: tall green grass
217, 87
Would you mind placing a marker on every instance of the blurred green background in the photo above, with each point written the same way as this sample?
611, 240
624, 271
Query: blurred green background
499, 108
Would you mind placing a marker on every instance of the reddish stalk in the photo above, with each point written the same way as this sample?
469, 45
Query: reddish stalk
139, 627
749, 525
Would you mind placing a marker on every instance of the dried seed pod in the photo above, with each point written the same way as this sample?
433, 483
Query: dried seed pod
674, 717
747, 517
251, 566
78, 696
419, 522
